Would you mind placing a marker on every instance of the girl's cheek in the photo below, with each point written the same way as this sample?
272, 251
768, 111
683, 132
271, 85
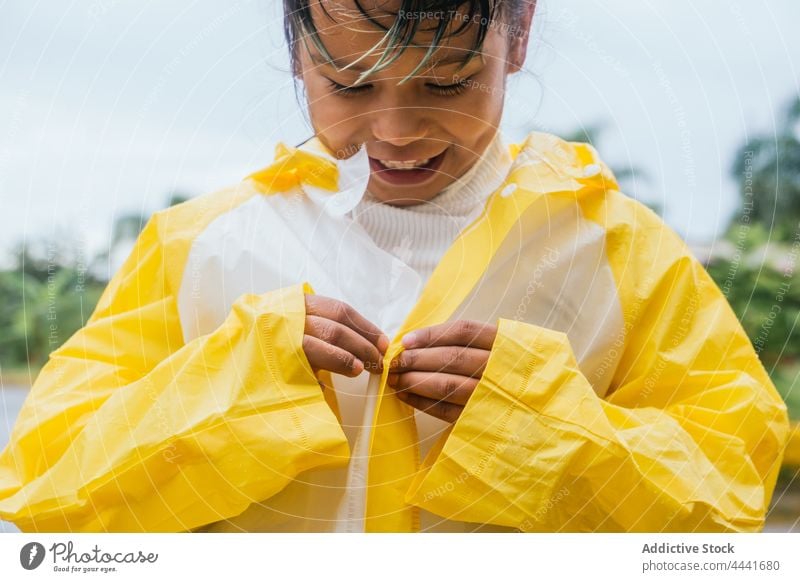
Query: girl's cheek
340, 122
328, 111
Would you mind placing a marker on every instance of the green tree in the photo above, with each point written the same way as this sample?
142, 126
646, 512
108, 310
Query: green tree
45, 299
761, 277
49, 293
768, 170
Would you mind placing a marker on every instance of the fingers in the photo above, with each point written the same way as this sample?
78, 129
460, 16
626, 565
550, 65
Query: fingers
450, 359
435, 386
443, 410
345, 314
468, 333
344, 338
341, 330
441, 366
324, 356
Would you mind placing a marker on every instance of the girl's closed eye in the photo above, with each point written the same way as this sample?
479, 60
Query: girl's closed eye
450, 90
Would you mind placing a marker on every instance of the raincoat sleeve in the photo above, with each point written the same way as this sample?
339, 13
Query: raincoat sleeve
689, 438
128, 428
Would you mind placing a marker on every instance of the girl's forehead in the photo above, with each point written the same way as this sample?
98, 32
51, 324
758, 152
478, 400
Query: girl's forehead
349, 34
385, 11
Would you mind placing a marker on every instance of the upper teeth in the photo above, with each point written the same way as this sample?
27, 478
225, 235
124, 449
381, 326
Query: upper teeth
407, 165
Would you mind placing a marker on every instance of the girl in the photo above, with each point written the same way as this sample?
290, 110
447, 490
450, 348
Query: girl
404, 324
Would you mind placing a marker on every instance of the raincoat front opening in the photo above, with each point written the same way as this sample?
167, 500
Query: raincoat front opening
621, 393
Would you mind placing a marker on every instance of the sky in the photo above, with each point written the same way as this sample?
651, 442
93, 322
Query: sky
108, 106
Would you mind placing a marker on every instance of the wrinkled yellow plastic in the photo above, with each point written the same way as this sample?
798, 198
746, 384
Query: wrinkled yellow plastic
792, 456
128, 429
293, 167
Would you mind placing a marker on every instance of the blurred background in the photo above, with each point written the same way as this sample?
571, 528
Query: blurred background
112, 109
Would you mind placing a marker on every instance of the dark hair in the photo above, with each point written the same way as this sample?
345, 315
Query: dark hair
298, 24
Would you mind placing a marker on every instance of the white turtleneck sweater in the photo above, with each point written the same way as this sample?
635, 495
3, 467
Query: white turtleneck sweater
420, 235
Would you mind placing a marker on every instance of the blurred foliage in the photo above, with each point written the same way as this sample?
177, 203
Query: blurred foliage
51, 290
767, 302
768, 170
760, 275
43, 305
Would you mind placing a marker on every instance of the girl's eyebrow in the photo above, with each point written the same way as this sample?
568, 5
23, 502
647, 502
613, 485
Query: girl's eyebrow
451, 59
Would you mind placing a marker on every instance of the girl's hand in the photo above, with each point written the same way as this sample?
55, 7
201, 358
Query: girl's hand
441, 365
339, 339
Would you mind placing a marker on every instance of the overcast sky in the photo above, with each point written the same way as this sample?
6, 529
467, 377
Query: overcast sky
107, 106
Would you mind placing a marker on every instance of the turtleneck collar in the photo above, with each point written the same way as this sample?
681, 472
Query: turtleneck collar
419, 235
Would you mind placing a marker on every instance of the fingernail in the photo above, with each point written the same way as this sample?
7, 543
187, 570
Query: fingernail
358, 364
392, 379
383, 343
409, 339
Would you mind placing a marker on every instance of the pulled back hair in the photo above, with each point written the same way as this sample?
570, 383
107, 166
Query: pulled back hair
300, 27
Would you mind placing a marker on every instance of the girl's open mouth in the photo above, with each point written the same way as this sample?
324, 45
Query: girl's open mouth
406, 172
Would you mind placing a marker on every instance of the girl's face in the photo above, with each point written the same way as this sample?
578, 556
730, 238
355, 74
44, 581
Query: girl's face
437, 123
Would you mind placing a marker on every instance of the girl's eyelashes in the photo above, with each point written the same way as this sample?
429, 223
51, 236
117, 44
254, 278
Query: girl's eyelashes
347, 89
451, 90
444, 90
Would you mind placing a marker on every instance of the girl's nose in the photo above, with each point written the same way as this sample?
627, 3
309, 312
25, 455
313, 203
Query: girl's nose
398, 126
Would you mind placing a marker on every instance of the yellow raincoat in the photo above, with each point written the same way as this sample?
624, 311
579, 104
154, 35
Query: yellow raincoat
621, 393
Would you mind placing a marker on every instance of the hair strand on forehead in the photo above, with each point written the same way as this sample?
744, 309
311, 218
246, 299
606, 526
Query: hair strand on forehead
452, 18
